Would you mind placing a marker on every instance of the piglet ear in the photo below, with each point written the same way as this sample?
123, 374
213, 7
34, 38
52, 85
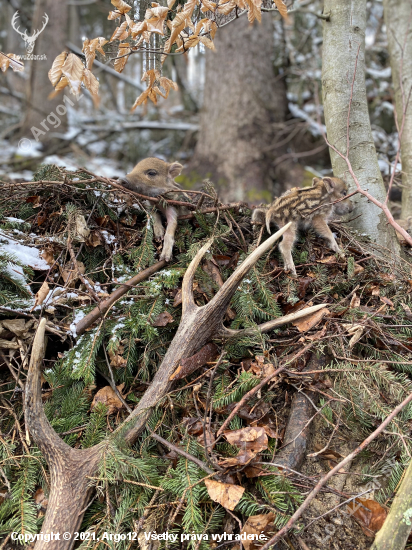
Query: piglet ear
315, 181
174, 169
329, 184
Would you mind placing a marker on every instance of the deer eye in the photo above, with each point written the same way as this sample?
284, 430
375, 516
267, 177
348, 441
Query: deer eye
151, 173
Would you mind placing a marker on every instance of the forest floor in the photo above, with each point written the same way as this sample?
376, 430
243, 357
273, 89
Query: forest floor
68, 240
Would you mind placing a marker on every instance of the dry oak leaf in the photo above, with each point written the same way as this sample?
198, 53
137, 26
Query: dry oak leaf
250, 439
368, 513
73, 70
107, 396
41, 295
256, 525
226, 494
55, 72
306, 323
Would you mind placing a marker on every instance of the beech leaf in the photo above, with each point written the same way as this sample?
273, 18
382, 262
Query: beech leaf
226, 494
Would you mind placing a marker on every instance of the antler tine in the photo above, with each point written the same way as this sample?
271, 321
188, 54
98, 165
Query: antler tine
188, 300
223, 297
43, 434
269, 325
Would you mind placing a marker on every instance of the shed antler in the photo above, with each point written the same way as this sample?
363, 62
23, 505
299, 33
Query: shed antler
70, 468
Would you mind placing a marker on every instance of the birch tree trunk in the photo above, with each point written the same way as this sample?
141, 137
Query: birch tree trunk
243, 99
343, 54
398, 20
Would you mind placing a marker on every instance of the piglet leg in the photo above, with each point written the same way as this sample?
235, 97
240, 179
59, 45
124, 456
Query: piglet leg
169, 238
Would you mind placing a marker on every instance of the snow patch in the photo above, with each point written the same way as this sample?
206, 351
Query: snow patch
27, 255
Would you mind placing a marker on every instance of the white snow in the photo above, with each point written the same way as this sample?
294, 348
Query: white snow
380, 73
13, 220
78, 316
27, 255
315, 128
107, 237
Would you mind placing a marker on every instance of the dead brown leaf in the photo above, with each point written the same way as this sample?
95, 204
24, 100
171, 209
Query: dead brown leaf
107, 396
163, 319
116, 359
40, 498
226, 494
41, 295
387, 302
252, 439
369, 514
309, 321
327, 260
257, 526
55, 72
355, 301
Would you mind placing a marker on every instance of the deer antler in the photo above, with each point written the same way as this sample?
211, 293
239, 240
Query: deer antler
36, 33
71, 468
13, 24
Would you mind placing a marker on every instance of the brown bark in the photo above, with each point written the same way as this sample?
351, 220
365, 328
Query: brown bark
243, 99
50, 42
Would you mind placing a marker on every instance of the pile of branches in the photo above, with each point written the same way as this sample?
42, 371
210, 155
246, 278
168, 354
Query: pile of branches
218, 449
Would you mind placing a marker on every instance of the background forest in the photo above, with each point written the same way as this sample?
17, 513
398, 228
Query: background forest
216, 396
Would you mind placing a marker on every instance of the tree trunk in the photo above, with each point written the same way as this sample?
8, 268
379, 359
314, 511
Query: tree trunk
344, 62
394, 533
398, 19
243, 98
51, 42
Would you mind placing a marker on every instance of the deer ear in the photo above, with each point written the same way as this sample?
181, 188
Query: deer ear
174, 169
329, 184
315, 181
